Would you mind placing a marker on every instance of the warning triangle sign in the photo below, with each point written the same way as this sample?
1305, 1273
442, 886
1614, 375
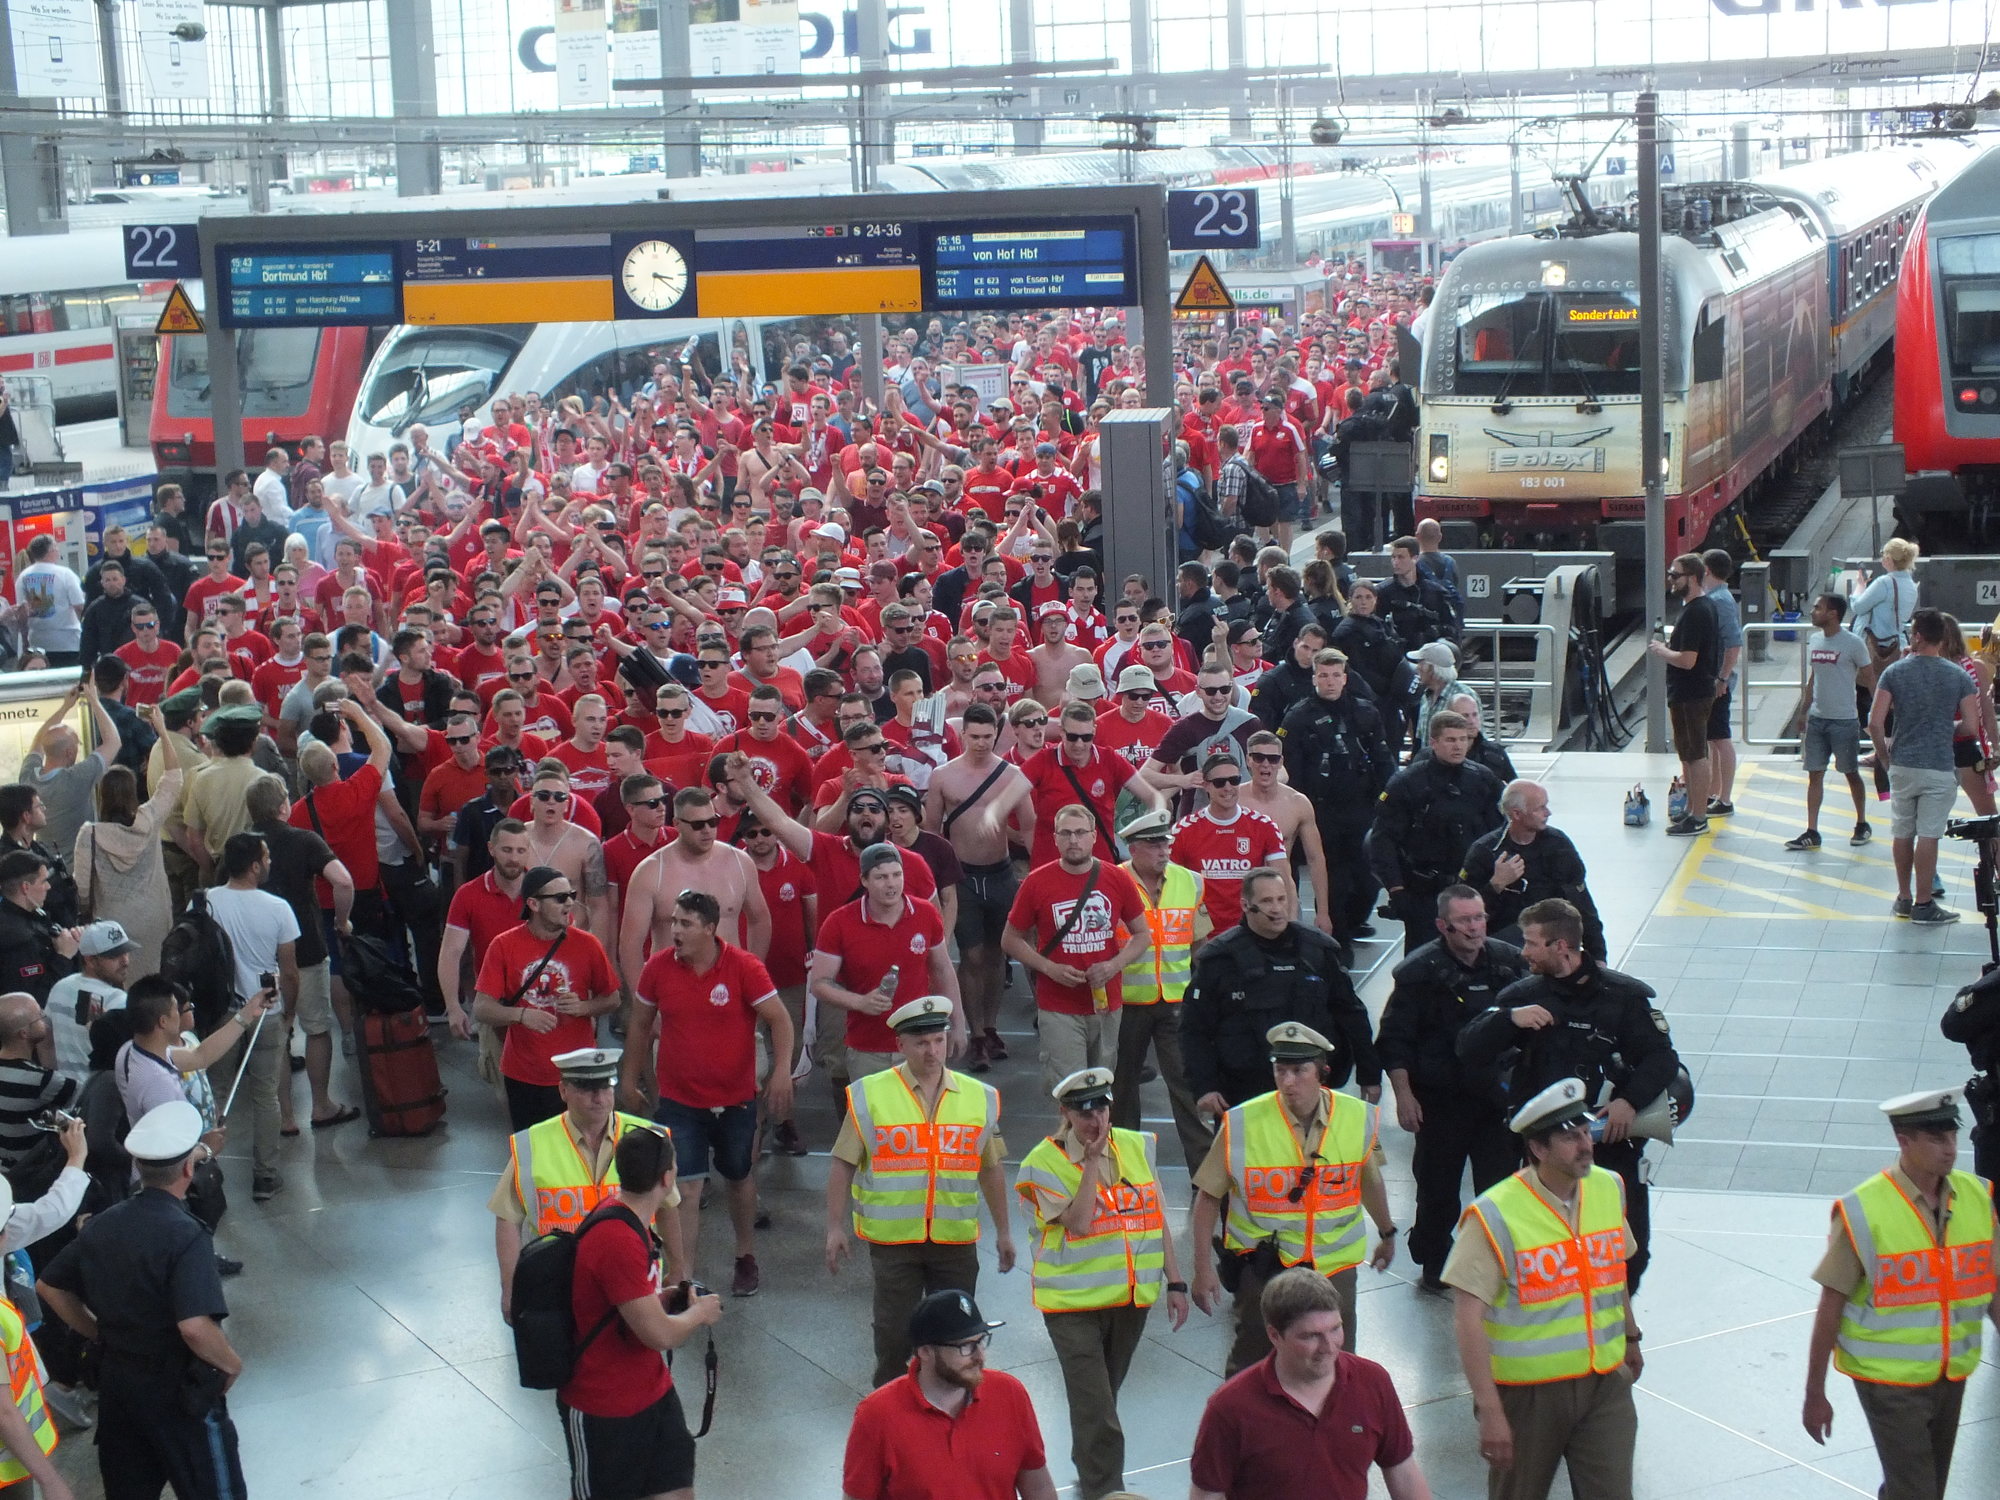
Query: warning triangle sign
178, 316
1204, 291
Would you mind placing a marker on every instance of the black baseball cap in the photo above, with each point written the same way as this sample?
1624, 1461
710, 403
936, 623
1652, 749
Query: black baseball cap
949, 1317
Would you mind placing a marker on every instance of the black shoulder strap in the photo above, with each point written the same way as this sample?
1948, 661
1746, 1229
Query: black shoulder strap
1075, 912
536, 972
312, 812
1095, 816
970, 802
591, 1220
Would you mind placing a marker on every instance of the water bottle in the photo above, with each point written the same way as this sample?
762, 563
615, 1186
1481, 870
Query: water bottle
887, 987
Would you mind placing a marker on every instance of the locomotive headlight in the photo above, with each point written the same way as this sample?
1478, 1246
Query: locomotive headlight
1440, 458
1555, 273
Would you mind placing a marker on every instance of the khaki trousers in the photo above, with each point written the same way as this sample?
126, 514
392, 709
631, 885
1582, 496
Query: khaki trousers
1253, 1342
1915, 1428
1096, 1349
904, 1276
1070, 1043
1157, 1026
1589, 1425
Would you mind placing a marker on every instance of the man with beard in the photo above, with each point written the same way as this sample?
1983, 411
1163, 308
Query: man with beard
695, 860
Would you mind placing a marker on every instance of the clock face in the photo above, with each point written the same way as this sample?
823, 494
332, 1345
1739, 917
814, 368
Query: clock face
655, 275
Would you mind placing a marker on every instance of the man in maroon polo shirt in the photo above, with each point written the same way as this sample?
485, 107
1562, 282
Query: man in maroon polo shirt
950, 1429
1307, 1419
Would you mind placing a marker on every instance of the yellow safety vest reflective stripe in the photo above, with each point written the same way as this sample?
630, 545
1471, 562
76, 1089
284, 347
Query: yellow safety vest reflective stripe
1121, 1259
921, 1179
1314, 1212
1562, 1315
1163, 971
1916, 1319
24, 1385
557, 1186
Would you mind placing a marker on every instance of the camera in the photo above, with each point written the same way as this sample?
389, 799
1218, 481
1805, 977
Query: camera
680, 1296
54, 1121
1974, 829
268, 981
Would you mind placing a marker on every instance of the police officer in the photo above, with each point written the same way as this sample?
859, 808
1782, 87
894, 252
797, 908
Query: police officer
919, 1148
1551, 1356
1454, 1111
140, 1279
1247, 980
1573, 1017
1337, 754
1102, 1257
1273, 1214
1973, 1021
1418, 610
1906, 1281
1429, 816
559, 1170
1527, 861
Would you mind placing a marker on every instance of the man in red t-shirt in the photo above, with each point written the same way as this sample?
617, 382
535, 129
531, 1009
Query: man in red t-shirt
147, 659
583, 751
1134, 728
792, 895
544, 982
861, 941
706, 997
1015, 666
621, 1417
1226, 841
1077, 922
780, 766
481, 909
1076, 771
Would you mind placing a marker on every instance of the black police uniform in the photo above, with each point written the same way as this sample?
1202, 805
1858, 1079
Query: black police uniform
1419, 612
1375, 655
1553, 869
29, 960
1428, 817
1243, 985
142, 1266
1973, 1021
1336, 753
62, 902
1606, 1031
1282, 629
1464, 1110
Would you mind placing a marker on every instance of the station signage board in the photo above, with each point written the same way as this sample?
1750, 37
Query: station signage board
303, 286
1025, 263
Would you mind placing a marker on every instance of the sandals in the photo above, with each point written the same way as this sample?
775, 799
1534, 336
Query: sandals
339, 1117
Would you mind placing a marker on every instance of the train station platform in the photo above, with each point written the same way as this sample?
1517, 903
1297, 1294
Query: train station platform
378, 1366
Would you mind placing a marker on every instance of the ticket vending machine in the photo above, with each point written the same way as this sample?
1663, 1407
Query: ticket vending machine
1141, 524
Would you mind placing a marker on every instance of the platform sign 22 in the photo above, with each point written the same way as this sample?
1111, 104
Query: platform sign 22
1212, 219
162, 252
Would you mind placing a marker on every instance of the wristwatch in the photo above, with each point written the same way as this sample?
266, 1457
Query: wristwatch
1177, 1286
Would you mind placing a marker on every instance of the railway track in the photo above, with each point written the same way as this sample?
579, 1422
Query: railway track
1780, 503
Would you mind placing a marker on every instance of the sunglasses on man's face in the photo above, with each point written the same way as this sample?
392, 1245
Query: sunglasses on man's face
460, 739
699, 822
655, 803
542, 796
1264, 758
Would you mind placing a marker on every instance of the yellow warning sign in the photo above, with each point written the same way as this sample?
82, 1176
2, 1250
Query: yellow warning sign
1204, 291
178, 316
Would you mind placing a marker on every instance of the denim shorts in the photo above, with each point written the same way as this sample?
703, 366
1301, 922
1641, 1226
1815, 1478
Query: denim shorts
728, 1135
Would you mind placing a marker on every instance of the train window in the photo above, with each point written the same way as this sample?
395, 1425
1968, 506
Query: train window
1502, 345
277, 367
1710, 347
1969, 268
426, 374
588, 381
1596, 347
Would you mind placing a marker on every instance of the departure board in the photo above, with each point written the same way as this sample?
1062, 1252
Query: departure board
1026, 262
286, 286
490, 279
809, 269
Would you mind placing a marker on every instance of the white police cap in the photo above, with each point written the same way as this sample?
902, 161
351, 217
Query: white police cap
928, 1013
589, 1064
1084, 1086
1292, 1041
166, 1132
1561, 1103
1934, 1109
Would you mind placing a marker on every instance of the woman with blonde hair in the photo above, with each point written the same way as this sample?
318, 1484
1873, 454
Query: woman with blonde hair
1881, 612
121, 875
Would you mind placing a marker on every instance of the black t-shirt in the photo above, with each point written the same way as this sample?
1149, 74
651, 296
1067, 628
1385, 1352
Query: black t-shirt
298, 855
1699, 631
143, 1266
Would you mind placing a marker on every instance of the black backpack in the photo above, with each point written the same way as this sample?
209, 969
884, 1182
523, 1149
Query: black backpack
546, 1347
197, 955
1259, 502
1206, 526
379, 981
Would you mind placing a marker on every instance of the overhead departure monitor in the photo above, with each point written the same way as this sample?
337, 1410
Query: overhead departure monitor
1031, 263
292, 286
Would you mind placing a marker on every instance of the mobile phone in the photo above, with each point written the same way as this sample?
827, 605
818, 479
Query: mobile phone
268, 980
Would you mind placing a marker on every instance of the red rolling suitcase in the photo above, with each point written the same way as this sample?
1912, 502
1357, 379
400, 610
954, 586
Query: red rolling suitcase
400, 1088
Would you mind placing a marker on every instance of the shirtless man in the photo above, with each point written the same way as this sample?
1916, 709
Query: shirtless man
1292, 811
961, 658
695, 860
970, 805
1055, 656
555, 841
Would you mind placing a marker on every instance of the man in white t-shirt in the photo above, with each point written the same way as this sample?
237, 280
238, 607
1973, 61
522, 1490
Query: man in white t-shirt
379, 496
263, 931
48, 600
340, 481
78, 999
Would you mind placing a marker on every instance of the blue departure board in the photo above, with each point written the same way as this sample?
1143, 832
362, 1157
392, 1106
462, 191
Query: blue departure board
280, 286
1031, 263
515, 257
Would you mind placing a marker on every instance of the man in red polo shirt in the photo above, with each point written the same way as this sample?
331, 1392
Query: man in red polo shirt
1076, 771
950, 1429
859, 943
482, 909
1307, 1419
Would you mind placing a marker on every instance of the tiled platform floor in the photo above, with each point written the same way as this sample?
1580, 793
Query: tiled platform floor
379, 1368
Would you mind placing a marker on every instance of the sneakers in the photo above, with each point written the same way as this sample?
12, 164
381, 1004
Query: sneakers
746, 1280
1687, 828
1363, 930
996, 1049
265, 1186
1862, 834
1432, 1282
1902, 907
788, 1139
1717, 808
1807, 840
1933, 914
68, 1405
976, 1055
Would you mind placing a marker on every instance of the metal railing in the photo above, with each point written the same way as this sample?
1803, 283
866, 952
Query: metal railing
1489, 680
1792, 676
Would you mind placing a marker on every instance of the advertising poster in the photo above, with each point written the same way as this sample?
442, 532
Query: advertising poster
583, 53
172, 67
635, 40
26, 701
55, 49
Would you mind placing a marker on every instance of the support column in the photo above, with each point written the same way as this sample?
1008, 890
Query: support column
876, 137
1029, 131
413, 99
680, 144
30, 167
1140, 528
1236, 42
277, 105
1652, 413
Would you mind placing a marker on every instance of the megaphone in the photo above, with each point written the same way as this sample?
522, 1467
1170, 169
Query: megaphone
1658, 1120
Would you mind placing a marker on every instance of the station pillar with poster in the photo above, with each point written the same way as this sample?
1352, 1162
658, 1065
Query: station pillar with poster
679, 265
1141, 526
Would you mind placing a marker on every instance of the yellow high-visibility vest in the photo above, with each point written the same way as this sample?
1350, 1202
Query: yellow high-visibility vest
557, 1185
1312, 1209
1121, 1259
1916, 1319
1562, 1315
24, 1385
921, 1179
1163, 971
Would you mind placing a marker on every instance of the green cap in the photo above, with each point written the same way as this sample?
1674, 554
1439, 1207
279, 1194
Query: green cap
233, 713
185, 701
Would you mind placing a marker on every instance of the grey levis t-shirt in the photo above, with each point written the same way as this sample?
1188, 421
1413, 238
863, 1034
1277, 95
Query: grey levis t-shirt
1927, 691
1837, 660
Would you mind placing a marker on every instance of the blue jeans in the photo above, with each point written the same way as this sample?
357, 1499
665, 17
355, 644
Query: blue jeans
727, 1135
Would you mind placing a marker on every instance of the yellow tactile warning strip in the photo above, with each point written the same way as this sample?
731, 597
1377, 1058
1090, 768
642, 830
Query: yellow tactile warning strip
1734, 869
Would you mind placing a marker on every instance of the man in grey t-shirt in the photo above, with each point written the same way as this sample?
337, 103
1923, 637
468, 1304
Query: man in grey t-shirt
1833, 729
1928, 696
64, 777
1729, 630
